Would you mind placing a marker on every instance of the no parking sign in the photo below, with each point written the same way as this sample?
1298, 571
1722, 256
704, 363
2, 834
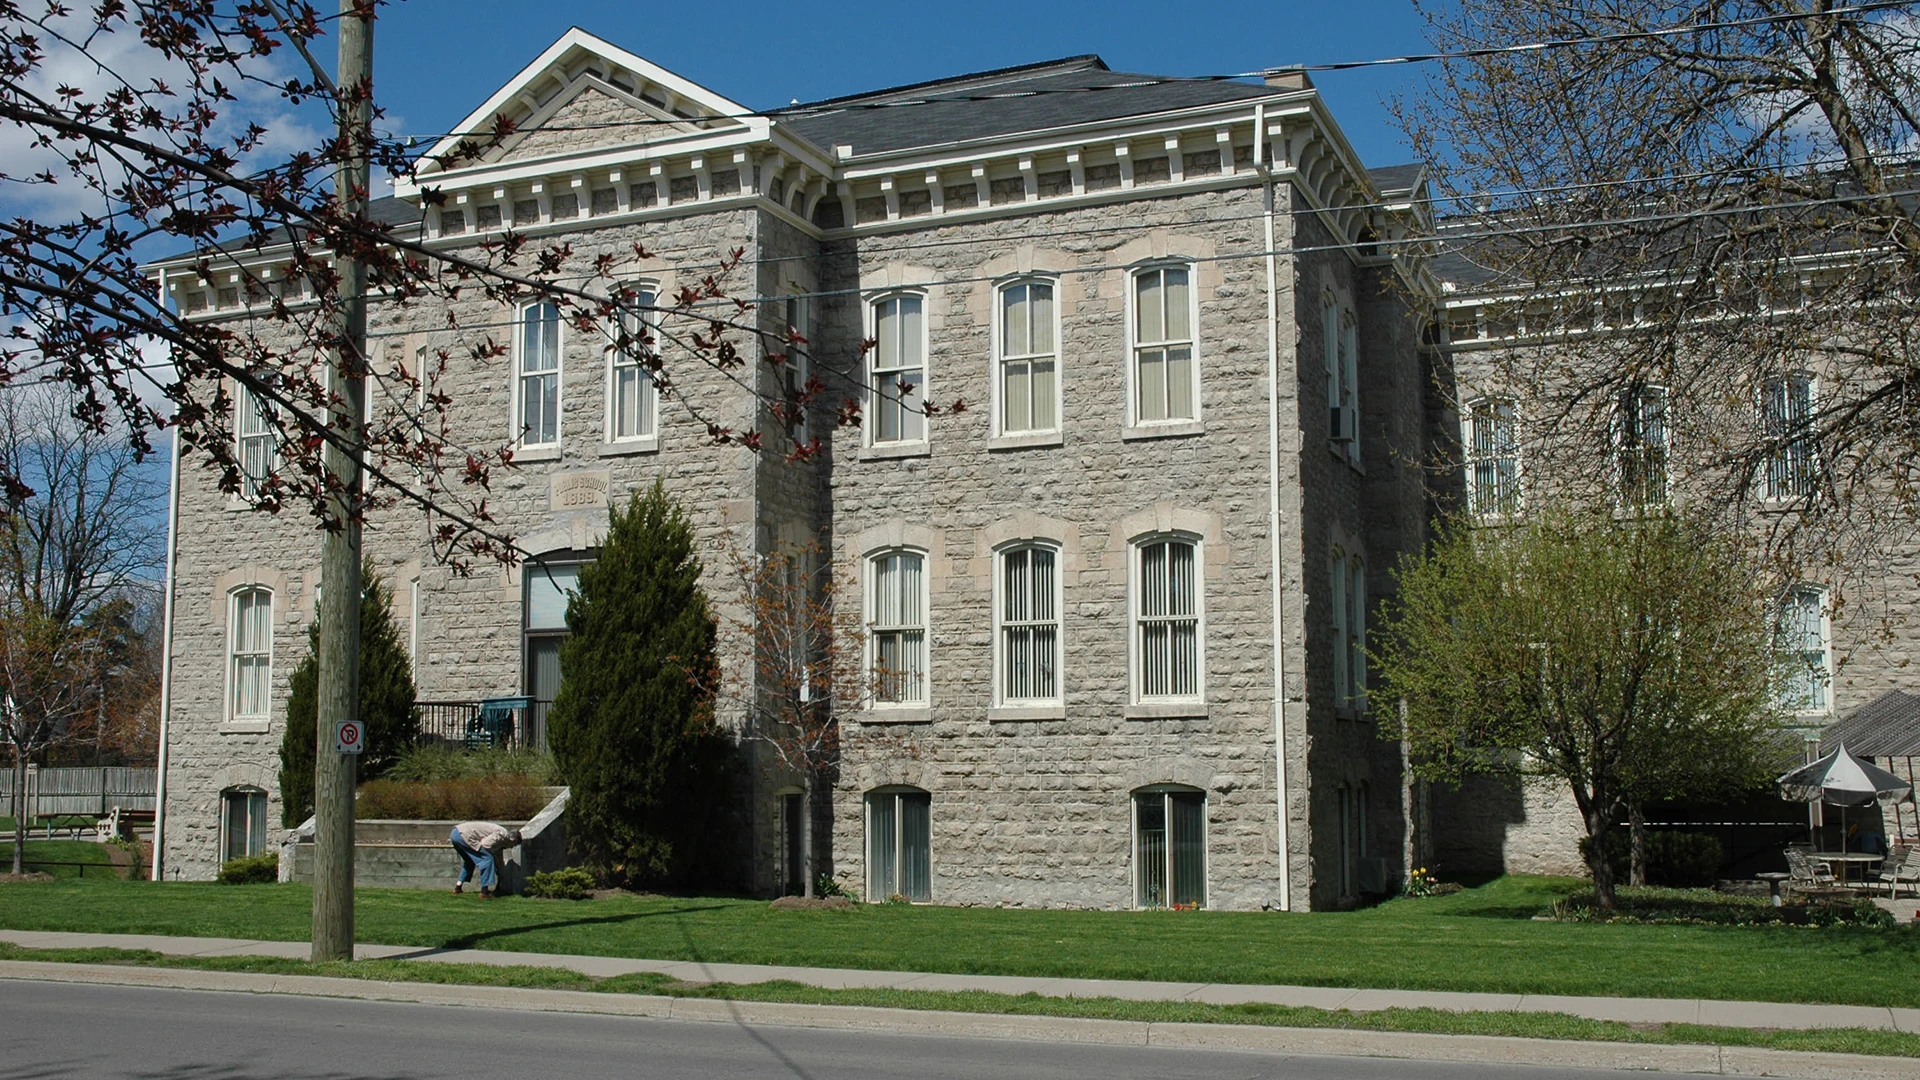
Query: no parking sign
349, 737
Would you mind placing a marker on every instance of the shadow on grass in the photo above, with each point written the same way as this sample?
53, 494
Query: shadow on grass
469, 941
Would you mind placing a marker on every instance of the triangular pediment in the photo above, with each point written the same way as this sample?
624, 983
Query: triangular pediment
584, 94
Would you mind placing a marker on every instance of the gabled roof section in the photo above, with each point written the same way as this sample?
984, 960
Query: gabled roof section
1006, 101
582, 83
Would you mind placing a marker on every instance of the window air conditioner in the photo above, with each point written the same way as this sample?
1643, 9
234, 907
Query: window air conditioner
1372, 876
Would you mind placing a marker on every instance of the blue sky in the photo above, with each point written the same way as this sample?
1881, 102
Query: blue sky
434, 62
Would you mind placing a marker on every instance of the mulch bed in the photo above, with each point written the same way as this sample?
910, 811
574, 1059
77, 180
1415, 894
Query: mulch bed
32, 875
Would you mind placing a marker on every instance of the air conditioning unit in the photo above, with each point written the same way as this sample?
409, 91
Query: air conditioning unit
1337, 425
1372, 876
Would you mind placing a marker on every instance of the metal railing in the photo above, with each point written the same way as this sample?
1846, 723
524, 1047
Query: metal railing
513, 723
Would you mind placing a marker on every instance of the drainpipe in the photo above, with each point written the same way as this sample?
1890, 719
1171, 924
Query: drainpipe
1263, 166
166, 658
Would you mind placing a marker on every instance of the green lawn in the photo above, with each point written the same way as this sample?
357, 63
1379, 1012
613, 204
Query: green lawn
43, 856
1482, 939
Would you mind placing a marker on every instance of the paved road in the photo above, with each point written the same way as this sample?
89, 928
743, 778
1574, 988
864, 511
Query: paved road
50, 1030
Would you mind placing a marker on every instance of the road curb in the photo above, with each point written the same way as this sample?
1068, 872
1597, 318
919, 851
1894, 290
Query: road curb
1336, 1042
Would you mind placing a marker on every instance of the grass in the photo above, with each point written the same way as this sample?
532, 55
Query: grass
62, 851
1482, 939
1432, 1021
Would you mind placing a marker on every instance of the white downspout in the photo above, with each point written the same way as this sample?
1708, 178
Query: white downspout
166, 660
1261, 163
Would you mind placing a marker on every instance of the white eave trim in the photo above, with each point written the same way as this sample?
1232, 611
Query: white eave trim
586, 161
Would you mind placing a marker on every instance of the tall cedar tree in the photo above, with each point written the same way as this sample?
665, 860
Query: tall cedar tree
386, 701
1630, 660
632, 727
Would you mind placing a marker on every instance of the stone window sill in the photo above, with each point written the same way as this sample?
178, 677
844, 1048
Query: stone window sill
1167, 710
999, 713
1173, 430
920, 714
245, 727
1026, 440
528, 454
647, 445
885, 451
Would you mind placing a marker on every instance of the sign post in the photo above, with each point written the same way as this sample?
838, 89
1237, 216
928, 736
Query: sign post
349, 737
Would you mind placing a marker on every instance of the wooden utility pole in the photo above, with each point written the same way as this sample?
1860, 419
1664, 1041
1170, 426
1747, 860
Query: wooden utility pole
339, 661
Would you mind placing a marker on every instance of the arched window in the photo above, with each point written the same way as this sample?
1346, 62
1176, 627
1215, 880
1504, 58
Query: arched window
1340, 608
1166, 381
1028, 613
630, 390
1166, 614
898, 370
537, 384
243, 822
1170, 847
1356, 643
899, 844
1029, 362
1340, 342
897, 627
249, 653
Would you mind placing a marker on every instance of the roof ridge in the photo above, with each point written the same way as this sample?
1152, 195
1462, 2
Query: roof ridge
1083, 62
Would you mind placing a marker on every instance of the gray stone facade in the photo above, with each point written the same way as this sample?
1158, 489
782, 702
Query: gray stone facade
1028, 804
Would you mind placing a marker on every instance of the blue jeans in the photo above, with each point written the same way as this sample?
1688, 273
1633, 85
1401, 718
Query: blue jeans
471, 857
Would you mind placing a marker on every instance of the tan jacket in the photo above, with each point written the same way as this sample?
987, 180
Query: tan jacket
484, 835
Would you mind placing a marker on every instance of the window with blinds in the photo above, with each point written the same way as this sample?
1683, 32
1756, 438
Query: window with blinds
897, 628
1029, 625
1029, 359
250, 653
899, 844
1167, 620
537, 401
1801, 649
1787, 417
899, 370
1493, 458
1641, 447
1165, 381
630, 391
255, 440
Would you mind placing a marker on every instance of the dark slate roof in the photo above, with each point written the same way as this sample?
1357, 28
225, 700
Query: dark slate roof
1075, 90
386, 210
1887, 726
1396, 179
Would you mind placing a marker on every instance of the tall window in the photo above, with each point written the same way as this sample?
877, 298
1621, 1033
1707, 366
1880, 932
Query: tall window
799, 368
1169, 847
1493, 458
793, 844
1165, 384
1029, 626
546, 586
1167, 619
1029, 358
630, 397
1341, 341
1801, 647
243, 822
537, 400
250, 653
899, 370
259, 450
1356, 642
1642, 447
1787, 412
1339, 609
897, 628
899, 844
1353, 836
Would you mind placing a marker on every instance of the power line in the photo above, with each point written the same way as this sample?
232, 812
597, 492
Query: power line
1550, 45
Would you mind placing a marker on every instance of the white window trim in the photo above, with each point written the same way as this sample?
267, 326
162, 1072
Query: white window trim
650, 395
895, 792
231, 720
799, 369
1826, 641
226, 836
1813, 461
1340, 347
1000, 700
907, 710
1180, 425
1467, 433
872, 411
519, 433
249, 484
1000, 359
1206, 839
1134, 547
1625, 416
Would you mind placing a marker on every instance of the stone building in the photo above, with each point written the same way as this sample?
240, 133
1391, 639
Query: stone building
1119, 599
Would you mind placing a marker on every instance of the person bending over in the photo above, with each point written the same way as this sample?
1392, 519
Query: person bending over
477, 843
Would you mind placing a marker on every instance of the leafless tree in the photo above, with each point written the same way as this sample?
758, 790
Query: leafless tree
1714, 198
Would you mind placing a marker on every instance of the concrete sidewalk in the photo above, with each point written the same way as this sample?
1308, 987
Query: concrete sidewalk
1630, 1010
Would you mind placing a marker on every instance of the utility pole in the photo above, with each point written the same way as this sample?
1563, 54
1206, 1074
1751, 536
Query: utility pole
339, 661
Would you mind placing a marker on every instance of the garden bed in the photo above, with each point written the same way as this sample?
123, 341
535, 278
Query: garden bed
1707, 907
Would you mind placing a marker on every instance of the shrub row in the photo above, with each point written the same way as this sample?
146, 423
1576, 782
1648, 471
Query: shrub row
442, 762
488, 798
1680, 860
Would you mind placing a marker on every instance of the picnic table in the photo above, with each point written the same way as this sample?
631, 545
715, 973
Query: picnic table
1846, 860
